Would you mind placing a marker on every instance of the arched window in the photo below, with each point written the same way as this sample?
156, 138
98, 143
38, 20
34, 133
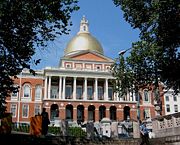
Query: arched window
69, 112
80, 113
113, 112
102, 112
27, 91
91, 113
38, 92
126, 112
54, 112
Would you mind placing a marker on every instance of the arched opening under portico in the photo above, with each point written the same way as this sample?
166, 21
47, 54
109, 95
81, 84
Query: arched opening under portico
91, 113
54, 112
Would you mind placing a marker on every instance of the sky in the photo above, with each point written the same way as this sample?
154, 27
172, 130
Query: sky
106, 24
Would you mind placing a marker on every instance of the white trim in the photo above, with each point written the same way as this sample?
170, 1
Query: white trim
15, 110
27, 110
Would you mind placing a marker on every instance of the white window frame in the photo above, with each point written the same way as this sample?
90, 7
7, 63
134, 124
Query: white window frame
15, 107
17, 93
174, 96
176, 108
148, 112
37, 87
166, 96
23, 115
146, 101
35, 109
168, 106
25, 90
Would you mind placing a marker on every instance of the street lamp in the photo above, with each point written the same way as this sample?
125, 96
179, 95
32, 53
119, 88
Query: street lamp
121, 53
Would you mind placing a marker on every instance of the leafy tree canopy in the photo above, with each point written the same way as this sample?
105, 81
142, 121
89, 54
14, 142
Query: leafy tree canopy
156, 55
24, 26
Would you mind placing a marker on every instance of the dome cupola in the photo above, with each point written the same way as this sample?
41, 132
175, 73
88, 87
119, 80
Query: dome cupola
83, 41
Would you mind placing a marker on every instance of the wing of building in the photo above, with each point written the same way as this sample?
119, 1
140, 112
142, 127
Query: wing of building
79, 89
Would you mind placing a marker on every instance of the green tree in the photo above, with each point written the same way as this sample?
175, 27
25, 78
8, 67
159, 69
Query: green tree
26, 25
156, 55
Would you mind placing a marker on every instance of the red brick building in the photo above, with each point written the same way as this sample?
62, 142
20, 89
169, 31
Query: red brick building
79, 89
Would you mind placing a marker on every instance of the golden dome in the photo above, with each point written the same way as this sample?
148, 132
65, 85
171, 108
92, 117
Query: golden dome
83, 41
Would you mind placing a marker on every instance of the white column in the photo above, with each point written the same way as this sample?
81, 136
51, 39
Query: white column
96, 89
49, 88
106, 90
134, 96
45, 88
74, 89
60, 87
64, 87
85, 89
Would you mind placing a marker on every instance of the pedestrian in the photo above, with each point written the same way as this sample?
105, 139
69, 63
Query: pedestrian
45, 121
144, 134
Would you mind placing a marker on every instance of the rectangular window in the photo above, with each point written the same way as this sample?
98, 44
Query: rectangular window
147, 113
38, 92
89, 93
146, 96
175, 98
110, 93
14, 94
137, 95
25, 111
68, 92
13, 110
100, 93
168, 108
175, 108
167, 98
79, 92
37, 109
54, 92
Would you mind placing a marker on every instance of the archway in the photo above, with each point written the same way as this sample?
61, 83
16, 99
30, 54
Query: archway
126, 112
69, 112
80, 114
102, 112
91, 113
54, 112
113, 112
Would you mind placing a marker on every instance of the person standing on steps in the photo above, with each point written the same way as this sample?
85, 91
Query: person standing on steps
144, 134
45, 121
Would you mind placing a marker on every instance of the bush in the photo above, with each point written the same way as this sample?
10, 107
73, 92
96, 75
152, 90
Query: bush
76, 132
54, 130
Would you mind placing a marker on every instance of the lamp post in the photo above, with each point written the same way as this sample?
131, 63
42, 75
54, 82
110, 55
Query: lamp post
121, 53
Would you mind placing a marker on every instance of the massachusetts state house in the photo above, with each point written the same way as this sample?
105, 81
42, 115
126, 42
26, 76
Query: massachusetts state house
79, 89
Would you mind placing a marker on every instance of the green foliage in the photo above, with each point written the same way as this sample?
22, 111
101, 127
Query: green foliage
21, 128
77, 132
123, 75
54, 130
156, 55
25, 26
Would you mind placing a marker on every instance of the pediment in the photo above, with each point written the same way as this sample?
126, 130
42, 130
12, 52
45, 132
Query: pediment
90, 56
